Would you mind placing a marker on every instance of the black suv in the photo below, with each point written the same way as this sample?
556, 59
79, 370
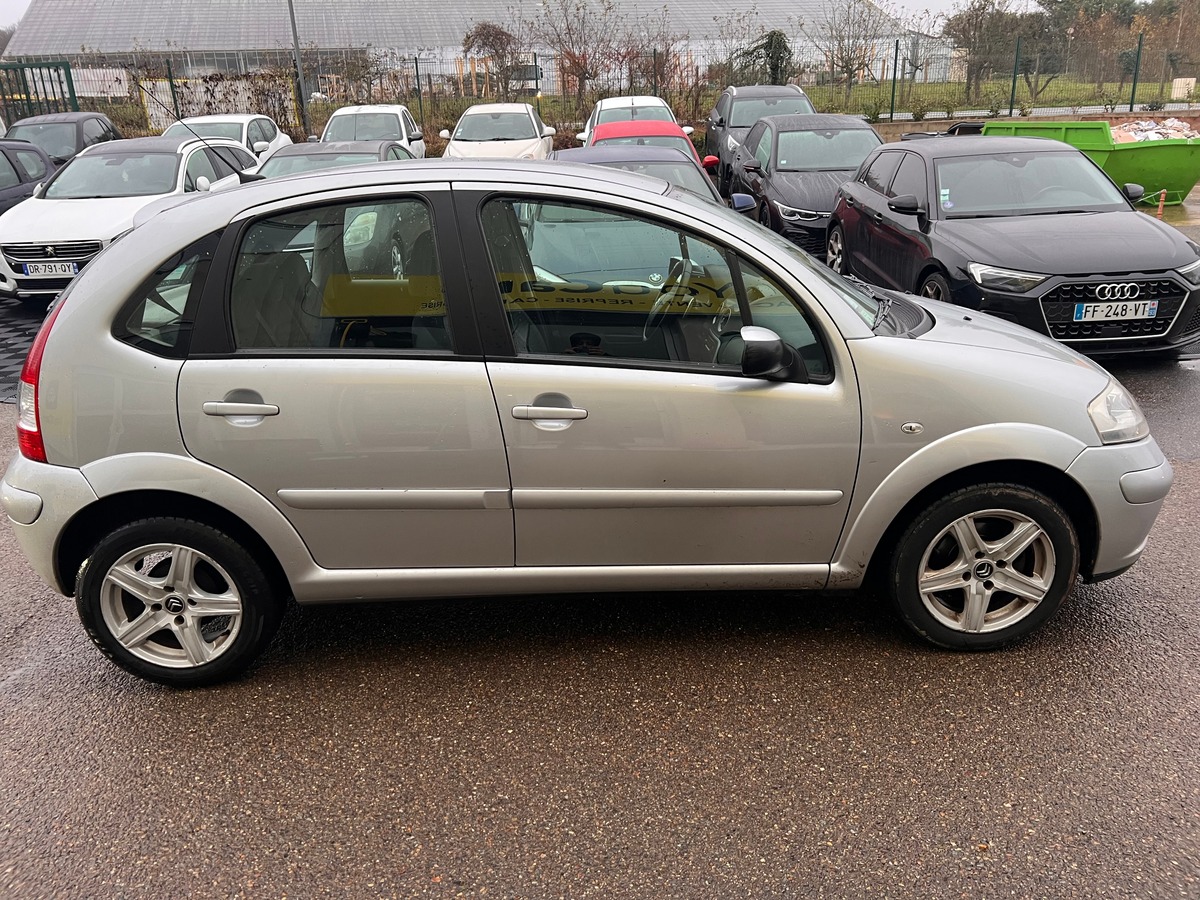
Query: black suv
740, 107
62, 135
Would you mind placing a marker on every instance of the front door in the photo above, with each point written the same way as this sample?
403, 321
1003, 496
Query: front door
632, 436
345, 398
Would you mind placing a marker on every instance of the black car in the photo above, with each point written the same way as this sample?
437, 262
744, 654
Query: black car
793, 166
737, 109
309, 157
22, 167
1027, 229
62, 135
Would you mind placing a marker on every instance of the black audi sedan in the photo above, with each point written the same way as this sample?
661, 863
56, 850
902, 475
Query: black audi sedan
1026, 229
793, 166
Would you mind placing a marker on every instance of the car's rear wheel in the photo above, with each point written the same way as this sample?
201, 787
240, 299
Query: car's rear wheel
835, 250
176, 602
935, 287
984, 566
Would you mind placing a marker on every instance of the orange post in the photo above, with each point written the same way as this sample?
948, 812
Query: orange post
1162, 200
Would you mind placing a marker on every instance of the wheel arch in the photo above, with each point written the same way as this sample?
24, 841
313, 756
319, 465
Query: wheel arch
108, 513
932, 267
1038, 476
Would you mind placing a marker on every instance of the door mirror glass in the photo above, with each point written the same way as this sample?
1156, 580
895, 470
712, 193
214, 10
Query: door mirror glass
1134, 192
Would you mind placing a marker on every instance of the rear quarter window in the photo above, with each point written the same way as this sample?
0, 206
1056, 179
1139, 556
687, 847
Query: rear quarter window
158, 318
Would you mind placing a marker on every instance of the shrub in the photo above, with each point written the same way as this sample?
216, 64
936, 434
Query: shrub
873, 109
919, 107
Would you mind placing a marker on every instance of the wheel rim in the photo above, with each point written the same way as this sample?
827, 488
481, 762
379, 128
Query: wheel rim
764, 215
933, 290
171, 606
397, 262
833, 253
986, 571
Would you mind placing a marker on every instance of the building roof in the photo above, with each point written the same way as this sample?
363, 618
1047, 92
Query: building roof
74, 27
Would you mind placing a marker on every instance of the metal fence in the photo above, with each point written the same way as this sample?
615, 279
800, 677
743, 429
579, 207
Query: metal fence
912, 78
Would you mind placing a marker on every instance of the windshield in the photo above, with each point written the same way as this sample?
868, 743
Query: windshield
230, 130
825, 151
630, 113
277, 166
682, 174
505, 126
115, 175
1038, 182
364, 127
648, 140
56, 138
749, 110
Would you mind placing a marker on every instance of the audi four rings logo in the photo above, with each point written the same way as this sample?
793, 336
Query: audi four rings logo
1127, 291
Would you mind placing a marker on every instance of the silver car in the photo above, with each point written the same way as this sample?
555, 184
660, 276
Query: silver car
438, 380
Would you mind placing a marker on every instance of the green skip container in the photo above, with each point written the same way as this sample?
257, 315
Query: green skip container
1171, 165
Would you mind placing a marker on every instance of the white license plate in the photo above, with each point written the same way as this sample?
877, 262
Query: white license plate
1116, 311
54, 268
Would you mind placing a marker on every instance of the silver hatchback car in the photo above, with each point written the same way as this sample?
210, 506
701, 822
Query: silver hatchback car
438, 380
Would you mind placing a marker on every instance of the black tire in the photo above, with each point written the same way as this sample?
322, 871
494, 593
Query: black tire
214, 615
933, 576
764, 215
835, 250
935, 286
725, 180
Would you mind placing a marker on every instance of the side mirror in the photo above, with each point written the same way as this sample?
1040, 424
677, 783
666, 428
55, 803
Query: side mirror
444, 134
39, 188
906, 204
765, 355
581, 137
719, 121
742, 203
416, 136
203, 184
687, 129
710, 162
752, 165
1134, 192
549, 131
261, 146
312, 139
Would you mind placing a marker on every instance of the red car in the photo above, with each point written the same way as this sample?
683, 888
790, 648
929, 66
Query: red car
647, 133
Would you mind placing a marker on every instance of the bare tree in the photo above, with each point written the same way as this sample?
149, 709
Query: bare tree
735, 34
6, 34
654, 50
984, 31
850, 34
584, 35
506, 52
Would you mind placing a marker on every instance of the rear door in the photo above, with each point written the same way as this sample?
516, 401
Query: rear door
12, 188
870, 198
633, 439
336, 371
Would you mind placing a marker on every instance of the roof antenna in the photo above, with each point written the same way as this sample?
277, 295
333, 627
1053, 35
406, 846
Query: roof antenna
243, 177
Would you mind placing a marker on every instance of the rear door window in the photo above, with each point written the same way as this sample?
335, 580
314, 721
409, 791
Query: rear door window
880, 173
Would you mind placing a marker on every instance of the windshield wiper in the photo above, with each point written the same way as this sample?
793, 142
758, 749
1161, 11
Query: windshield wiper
885, 302
1058, 212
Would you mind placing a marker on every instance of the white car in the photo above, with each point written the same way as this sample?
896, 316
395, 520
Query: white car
92, 200
378, 122
500, 130
628, 109
258, 134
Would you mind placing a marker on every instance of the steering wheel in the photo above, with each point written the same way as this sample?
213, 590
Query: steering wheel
673, 288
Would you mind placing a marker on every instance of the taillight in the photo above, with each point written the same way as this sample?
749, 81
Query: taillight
29, 432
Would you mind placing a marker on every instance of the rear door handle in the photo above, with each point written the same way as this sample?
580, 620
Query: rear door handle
223, 408
548, 412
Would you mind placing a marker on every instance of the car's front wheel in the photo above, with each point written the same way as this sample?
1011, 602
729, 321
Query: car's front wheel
177, 602
764, 215
935, 287
835, 250
984, 566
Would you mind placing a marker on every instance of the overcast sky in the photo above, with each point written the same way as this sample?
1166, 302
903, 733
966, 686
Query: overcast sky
11, 10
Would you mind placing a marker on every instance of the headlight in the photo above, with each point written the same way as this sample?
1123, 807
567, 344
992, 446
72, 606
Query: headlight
730, 142
1004, 279
1117, 416
793, 214
1191, 272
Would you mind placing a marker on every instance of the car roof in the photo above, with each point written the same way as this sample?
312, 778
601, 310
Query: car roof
240, 118
316, 148
956, 145
481, 108
639, 100
19, 144
156, 145
393, 108
763, 90
638, 127
57, 117
617, 153
815, 122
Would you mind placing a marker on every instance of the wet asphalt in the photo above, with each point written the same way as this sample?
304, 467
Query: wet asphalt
634, 746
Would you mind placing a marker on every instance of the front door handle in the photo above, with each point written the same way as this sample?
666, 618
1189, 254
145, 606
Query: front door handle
224, 408
548, 412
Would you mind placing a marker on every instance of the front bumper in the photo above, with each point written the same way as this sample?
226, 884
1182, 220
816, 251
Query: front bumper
1127, 484
40, 500
1049, 310
15, 282
810, 235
